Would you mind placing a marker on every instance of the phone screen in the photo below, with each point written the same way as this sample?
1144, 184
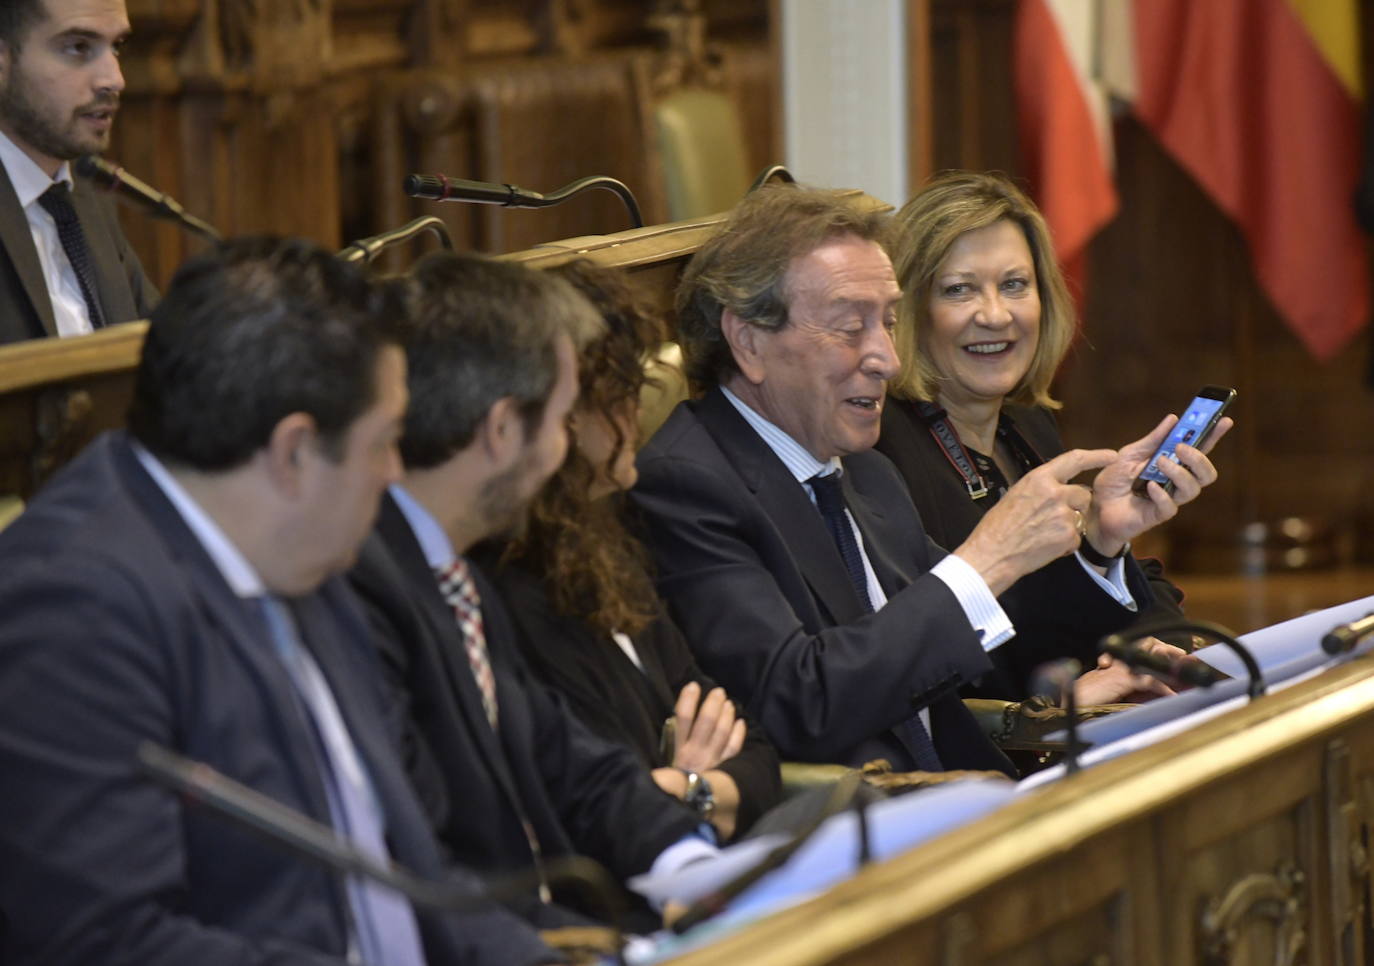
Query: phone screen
1191, 428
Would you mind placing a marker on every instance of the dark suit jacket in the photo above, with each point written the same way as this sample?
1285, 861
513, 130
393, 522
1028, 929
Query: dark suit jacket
761, 593
949, 516
119, 629
619, 701
25, 307
579, 793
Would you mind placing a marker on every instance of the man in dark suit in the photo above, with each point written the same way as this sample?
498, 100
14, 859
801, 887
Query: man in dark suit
790, 553
174, 585
65, 266
509, 773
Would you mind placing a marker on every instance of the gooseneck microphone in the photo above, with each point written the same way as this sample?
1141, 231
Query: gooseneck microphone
438, 187
113, 178
365, 249
1056, 679
1122, 642
1185, 669
302, 835
847, 793
1346, 637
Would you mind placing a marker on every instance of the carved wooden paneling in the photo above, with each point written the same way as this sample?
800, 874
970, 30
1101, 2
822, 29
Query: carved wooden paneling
302, 116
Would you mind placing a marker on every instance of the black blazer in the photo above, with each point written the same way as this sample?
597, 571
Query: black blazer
118, 628
760, 591
25, 306
579, 793
949, 516
615, 698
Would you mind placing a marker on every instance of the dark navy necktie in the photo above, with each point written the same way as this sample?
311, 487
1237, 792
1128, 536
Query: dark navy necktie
57, 202
830, 501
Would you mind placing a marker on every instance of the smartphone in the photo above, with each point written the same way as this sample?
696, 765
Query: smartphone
1193, 427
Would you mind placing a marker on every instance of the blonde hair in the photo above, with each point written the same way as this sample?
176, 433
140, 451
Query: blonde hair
952, 204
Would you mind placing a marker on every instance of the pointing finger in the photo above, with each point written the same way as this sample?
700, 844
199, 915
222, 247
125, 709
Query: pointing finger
1066, 466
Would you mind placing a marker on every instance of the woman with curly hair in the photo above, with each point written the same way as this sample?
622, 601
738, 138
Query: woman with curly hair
590, 622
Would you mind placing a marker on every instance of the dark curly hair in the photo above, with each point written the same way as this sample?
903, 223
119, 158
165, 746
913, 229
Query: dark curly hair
593, 568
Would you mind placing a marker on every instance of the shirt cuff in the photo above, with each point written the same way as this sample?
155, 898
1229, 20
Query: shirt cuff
1114, 583
989, 620
683, 852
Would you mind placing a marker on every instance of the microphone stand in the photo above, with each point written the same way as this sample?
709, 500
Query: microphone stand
1123, 639
366, 249
441, 188
846, 794
1057, 678
774, 172
303, 836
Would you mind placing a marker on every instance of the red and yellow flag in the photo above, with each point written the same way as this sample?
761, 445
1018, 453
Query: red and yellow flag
1259, 100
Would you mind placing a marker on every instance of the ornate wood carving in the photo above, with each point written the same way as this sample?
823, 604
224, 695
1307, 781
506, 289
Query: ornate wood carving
61, 428
1279, 897
1348, 856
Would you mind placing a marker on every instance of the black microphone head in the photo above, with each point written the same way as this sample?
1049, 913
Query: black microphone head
425, 186
1195, 673
96, 168
1338, 640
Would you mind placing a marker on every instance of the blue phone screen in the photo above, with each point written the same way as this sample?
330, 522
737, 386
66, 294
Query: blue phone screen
1188, 429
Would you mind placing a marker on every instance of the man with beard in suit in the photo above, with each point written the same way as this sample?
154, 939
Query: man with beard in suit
65, 266
510, 775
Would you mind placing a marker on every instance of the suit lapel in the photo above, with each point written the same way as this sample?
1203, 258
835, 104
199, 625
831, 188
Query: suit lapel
789, 506
326, 634
439, 621
241, 624
18, 243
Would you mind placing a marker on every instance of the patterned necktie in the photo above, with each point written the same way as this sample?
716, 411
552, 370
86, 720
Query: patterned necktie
460, 593
383, 921
57, 202
830, 501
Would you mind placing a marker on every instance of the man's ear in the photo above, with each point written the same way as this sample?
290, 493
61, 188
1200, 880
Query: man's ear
501, 433
294, 441
745, 342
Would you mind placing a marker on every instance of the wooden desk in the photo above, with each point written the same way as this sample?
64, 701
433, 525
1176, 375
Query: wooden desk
1243, 841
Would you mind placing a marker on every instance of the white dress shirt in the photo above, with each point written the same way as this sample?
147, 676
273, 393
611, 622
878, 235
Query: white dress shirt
30, 182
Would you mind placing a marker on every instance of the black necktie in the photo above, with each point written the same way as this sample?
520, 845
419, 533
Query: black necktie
57, 202
830, 501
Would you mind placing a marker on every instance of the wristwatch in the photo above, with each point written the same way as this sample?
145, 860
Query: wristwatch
699, 795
